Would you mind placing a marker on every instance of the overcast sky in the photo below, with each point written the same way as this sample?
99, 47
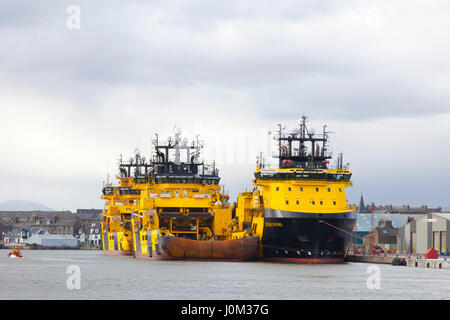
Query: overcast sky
72, 99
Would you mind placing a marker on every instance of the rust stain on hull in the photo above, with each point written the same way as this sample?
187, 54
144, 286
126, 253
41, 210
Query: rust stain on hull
118, 252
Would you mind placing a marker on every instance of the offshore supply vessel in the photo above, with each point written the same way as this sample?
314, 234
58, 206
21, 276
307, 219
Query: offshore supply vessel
179, 210
299, 210
172, 207
121, 201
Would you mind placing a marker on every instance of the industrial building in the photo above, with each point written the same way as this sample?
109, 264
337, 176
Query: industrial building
369, 217
429, 231
53, 241
385, 234
364, 224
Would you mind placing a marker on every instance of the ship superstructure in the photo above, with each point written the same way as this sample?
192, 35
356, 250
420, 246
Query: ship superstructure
121, 201
183, 212
299, 210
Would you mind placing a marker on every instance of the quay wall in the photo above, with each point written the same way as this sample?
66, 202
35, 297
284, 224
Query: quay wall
370, 259
410, 262
428, 263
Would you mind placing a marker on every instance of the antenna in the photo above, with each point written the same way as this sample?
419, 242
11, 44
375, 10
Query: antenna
340, 160
279, 144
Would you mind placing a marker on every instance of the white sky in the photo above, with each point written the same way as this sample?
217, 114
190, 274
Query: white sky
376, 72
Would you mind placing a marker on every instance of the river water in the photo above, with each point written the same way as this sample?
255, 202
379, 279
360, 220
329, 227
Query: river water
43, 275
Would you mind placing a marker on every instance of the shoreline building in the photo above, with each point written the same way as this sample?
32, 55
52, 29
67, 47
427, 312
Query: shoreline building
429, 231
384, 234
18, 226
398, 215
53, 241
54, 222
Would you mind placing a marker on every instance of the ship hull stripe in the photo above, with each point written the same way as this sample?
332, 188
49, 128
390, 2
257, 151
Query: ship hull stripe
274, 213
116, 246
305, 260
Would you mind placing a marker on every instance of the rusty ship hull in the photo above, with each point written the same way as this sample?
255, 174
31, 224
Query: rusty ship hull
118, 252
177, 248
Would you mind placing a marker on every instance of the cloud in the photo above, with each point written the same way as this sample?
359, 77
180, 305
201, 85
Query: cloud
72, 100
385, 59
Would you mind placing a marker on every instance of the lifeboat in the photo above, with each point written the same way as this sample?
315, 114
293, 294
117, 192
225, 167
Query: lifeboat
176, 248
15, 254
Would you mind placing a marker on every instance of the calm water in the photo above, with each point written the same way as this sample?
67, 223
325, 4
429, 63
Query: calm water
42, 275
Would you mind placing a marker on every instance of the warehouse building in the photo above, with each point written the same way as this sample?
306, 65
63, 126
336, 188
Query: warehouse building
53, 241
429, 231
363, 225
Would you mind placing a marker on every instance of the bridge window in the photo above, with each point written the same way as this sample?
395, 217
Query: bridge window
108, 191
310, 175
128, 190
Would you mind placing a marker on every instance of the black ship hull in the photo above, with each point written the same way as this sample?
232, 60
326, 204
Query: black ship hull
306, 237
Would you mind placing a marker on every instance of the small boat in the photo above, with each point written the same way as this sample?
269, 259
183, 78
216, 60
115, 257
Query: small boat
15, 254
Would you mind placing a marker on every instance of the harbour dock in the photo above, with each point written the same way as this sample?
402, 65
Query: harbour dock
375, 259
416, 262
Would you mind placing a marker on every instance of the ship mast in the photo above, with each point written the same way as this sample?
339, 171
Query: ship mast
293, 153
168, 161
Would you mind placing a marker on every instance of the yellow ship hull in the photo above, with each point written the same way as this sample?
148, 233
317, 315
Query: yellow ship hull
116, 244
118, 252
